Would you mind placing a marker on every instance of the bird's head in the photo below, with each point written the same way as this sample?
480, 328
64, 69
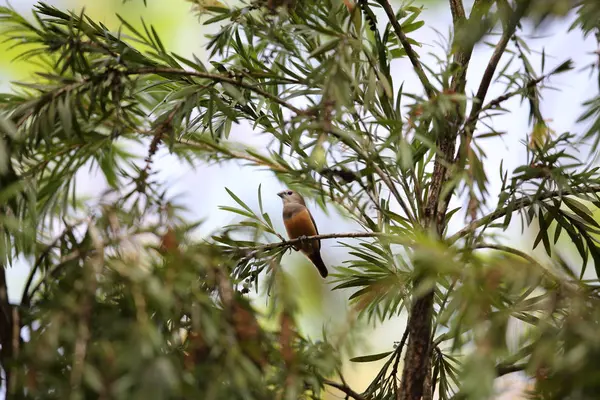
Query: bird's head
289, 197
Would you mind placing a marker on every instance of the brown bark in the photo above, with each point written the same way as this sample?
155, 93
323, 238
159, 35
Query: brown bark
6, 331
415, 361
418, 350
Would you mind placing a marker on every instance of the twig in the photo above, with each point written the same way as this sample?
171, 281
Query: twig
436, 372
500, 99
253, 251
382, 175
392, 187
517, 205
493, 63
232, 154
413, 57
464, 51
442, 305
398, 356
157, 139
217, 78
507, 249
26, 297
503, 369
93, 267
344, 388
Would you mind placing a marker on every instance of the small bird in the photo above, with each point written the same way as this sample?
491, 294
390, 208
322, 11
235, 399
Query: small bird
298, 223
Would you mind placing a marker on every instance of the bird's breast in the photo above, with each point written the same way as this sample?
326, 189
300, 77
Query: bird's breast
299, 223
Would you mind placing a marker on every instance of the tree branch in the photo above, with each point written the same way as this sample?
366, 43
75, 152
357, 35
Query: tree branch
510, 250
413, 57
458, 11
26, 297
505, 369
464, 48
253, 251
517, 205
217, 78
500, 99
233, 154
92, 270
398, 356
345, 389
493, 63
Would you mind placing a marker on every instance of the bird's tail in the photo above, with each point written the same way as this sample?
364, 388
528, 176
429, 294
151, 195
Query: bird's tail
318, 261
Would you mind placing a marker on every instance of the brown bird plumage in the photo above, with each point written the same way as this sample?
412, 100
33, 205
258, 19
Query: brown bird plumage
299, 222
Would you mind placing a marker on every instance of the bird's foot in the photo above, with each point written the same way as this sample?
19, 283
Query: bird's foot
301, 242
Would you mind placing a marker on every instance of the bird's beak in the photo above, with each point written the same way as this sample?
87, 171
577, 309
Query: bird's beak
280, 194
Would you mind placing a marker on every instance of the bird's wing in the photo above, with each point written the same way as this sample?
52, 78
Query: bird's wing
315, 225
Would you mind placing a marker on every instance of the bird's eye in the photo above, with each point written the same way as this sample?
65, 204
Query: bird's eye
289, 193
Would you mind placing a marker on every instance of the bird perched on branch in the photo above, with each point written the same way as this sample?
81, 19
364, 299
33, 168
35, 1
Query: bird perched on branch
299, 223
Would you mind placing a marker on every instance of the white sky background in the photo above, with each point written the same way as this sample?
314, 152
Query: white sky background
202, 190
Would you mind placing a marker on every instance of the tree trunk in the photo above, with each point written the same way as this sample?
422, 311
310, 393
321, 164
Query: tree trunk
418, 350
6, 331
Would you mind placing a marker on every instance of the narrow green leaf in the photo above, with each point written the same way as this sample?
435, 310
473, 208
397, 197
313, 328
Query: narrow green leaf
324, 48
239, 201
371, 358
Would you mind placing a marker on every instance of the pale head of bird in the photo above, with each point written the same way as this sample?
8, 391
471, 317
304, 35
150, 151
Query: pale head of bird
290, 197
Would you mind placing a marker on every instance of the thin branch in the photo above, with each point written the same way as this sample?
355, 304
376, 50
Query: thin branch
253, 251
493, 63
217, 78
392, 187
469, 127
507, 249
458, 11
441, 338
464, 49
344, 388
503, 369
91, 269
500, 99
232, 153
53, 94
157, 138
384, 177
413, 57
517, 205
26, 297
510, 250
398, 356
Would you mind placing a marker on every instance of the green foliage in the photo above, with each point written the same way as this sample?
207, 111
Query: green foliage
124, 300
